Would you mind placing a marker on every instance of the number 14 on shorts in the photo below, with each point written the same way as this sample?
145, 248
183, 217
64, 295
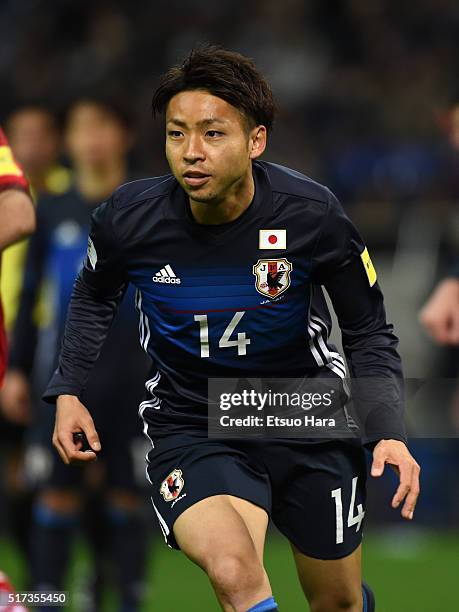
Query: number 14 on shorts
353, 517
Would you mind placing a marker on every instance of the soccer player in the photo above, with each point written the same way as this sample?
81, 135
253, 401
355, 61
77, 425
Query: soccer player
98, 139
17, 216
17, 220
34, 137
192, 243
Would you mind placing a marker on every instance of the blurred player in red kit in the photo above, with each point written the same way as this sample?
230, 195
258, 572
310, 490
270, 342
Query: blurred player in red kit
17, 220
17, 217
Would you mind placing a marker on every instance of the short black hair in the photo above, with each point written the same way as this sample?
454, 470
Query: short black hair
226, 74
113, 105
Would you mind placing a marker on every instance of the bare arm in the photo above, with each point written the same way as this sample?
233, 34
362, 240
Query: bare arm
17, 217
17, 214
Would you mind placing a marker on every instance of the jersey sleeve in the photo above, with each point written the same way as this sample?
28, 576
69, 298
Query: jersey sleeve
343, 266
96, 295
11, 173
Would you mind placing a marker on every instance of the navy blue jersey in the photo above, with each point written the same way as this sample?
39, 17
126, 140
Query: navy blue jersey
238, 299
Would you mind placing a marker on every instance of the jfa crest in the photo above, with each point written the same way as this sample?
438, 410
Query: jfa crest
272, 276
172, 485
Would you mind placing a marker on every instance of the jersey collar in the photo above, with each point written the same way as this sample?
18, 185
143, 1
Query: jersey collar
261, 206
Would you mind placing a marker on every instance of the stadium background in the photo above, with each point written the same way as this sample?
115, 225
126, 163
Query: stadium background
364, 89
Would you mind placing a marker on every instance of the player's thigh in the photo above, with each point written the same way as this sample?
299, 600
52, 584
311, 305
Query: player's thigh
187, 470
331, 584
319, 498
221, 524
256, 520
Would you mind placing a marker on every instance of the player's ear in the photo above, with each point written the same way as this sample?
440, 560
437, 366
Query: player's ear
257, 141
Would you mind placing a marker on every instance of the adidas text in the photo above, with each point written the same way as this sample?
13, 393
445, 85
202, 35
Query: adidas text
166, 279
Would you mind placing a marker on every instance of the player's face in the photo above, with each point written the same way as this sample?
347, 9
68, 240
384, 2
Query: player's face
34, 139
209, 145
95, 136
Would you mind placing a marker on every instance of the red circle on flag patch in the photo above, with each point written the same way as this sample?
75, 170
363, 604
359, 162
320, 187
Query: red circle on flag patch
272, 239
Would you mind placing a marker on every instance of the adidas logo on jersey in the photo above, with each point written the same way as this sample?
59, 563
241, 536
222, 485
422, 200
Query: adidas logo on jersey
166, 275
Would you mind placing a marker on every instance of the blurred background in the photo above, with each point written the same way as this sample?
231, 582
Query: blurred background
368, 96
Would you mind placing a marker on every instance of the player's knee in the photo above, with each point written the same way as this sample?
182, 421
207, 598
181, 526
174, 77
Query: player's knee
124, 501
235, 574
123, 516
337, 601
62, 501
52, 518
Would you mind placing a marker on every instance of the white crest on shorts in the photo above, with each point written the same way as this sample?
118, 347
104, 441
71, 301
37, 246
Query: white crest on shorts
172, 485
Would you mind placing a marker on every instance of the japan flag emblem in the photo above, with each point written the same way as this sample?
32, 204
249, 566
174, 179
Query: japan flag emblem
272, 239
272, 276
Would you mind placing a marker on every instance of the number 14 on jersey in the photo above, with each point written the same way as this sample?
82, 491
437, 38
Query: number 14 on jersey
225, 341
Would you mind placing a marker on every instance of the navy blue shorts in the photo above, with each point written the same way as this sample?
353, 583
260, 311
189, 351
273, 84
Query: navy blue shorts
314, 493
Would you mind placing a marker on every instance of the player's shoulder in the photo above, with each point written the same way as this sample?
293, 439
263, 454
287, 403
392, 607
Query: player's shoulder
126, 210
143, 190
290, 182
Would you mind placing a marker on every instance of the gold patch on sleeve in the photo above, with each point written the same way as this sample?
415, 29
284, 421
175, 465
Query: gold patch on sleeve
8, 166
369, 267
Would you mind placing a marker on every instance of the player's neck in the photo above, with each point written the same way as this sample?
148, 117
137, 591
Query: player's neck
95, 183
229, 208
